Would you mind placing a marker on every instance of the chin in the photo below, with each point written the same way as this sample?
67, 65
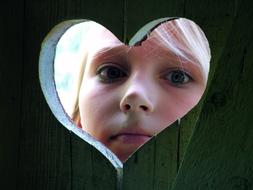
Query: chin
125, 152
124, 156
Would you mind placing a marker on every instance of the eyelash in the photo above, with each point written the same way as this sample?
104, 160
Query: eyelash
179, 76
118, 71
181, 80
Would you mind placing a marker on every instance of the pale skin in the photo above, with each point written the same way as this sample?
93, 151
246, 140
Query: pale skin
128, 94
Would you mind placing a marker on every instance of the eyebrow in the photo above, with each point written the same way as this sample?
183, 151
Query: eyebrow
188, 58
108, 53
190, 64
117, 49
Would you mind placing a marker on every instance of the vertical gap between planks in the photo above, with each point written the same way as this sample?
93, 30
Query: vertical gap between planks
154, 165
178, 145
235, 5
92, 165
124, 21
71, 161
21, 91
120, 171
184, 8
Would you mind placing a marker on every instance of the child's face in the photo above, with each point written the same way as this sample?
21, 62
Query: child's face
130, 94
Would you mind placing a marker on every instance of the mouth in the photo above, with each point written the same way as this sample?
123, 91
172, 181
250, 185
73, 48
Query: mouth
131, 138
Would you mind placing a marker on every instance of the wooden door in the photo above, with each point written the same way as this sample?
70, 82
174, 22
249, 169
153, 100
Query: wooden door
38, 153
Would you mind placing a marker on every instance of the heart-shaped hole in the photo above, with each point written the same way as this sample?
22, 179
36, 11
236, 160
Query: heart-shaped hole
122, 95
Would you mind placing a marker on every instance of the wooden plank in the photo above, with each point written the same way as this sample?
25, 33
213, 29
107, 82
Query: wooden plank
50, 156
220, 153
44, 146
90, 169
216, 25
153, 165
216, 22
138, 13
101, 174
11, 66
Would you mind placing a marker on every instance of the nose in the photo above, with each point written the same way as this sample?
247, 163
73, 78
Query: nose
137, 98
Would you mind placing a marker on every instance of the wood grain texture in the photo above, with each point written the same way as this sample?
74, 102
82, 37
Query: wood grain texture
216, 22
11, 67
153, 166
212, 22
90, 169
219, 155
47, 156
50, 156
138, 13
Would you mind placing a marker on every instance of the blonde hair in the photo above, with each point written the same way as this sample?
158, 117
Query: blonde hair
192, 41
181, 36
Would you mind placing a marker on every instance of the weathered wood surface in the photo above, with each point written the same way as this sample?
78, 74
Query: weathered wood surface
154, 165
220, 154
38, 153
216, 22
11, 62
51, 157
216, 25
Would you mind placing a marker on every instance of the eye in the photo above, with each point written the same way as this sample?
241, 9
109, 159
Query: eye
177, 77
110, 73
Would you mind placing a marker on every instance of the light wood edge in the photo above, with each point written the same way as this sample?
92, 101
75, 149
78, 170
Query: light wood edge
47, 82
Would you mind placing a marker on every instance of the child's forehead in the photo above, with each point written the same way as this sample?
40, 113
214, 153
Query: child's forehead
159, 43
148, 49
100, 37
102, 41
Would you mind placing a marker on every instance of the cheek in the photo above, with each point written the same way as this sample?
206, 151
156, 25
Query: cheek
97, 105
178, 103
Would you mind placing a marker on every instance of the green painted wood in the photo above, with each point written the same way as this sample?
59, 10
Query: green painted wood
50, 156
153, 165
11, 66
138, 13
44, 160
46, 75
90, 169
216, 22
101, 174
219, 155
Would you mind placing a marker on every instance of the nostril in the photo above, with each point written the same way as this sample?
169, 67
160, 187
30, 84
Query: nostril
144, 108
127, 107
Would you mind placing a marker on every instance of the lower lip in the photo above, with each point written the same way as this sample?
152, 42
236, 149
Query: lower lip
133, 138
